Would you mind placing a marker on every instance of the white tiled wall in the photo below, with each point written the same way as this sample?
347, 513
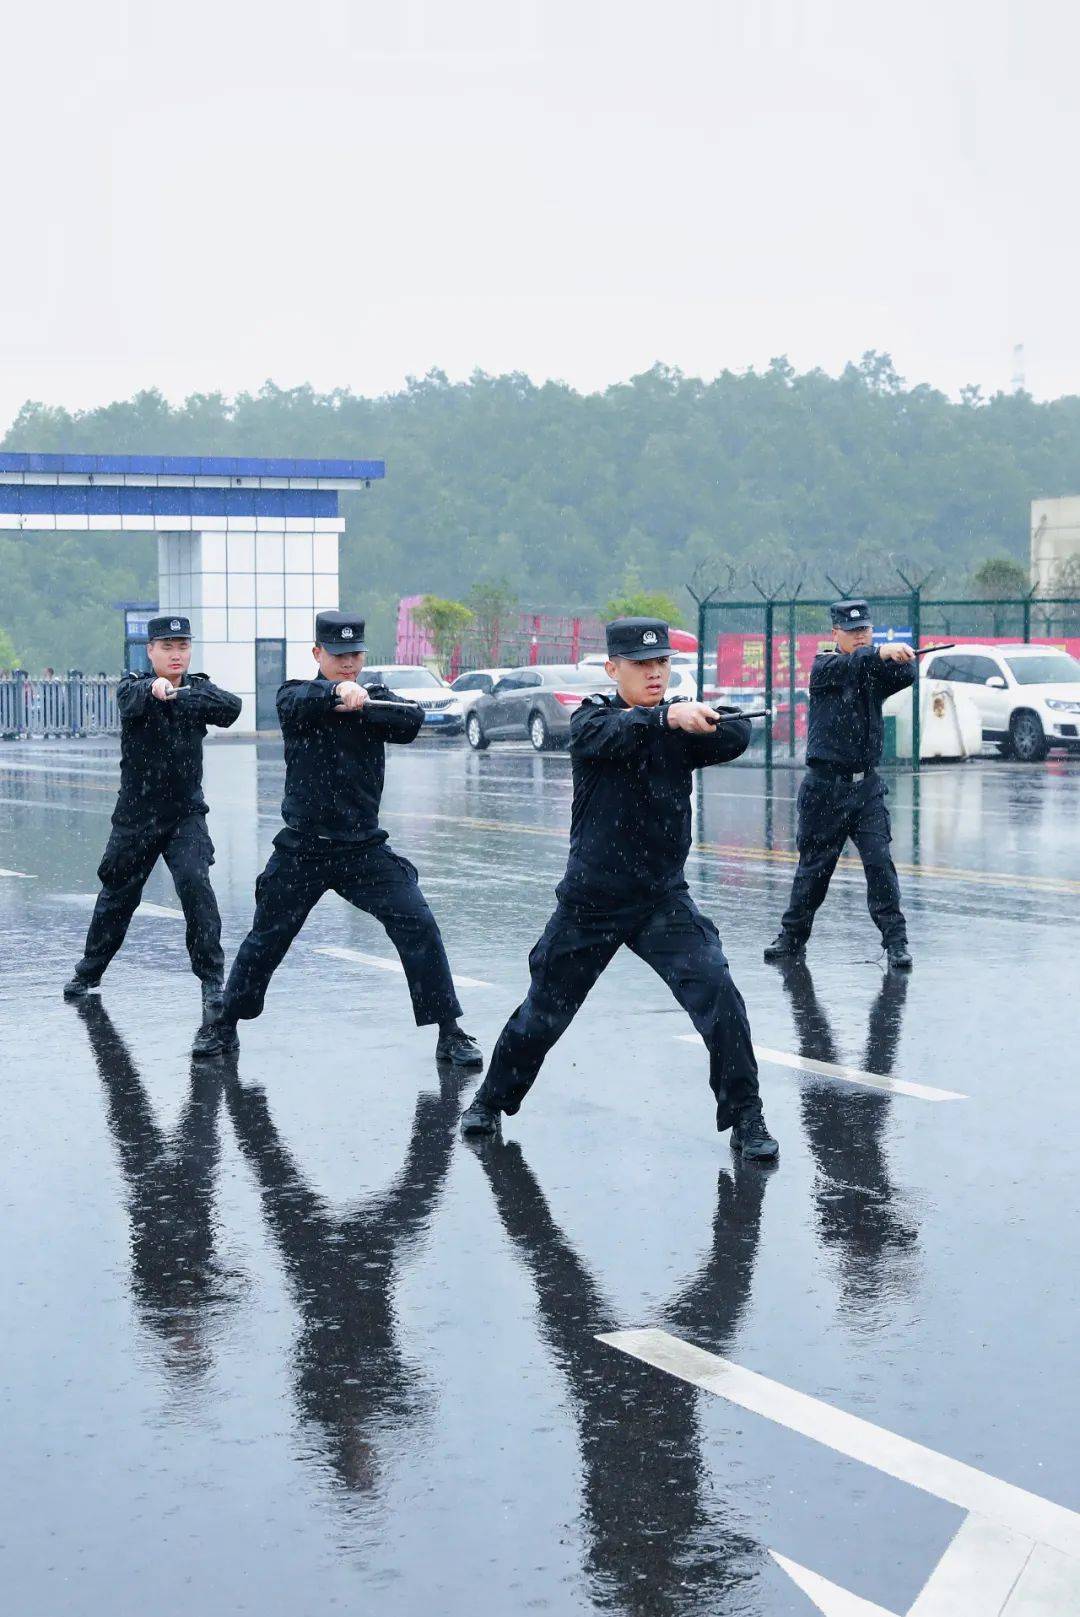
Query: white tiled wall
237, 585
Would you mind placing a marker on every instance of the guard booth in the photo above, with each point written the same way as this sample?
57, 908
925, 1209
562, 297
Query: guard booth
137, 616
247, 547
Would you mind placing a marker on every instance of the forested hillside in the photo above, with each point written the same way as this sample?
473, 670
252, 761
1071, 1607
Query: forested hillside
566, 495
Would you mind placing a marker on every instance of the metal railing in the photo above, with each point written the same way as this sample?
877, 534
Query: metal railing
74, 705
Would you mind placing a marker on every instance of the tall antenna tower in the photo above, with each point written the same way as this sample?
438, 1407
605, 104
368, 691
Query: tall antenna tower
1019, 380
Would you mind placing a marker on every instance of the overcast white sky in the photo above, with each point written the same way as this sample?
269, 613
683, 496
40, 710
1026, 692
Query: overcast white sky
348, 191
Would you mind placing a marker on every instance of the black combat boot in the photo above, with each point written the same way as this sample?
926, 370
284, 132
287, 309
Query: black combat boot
80, 986
217, 1038
480, 1118
750, 1137
899, 955
457, 1047
785, 946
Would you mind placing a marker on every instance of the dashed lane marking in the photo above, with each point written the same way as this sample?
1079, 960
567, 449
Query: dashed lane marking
1015, 1553
19, 875
383, 963
61, 808
784, 857
356, 957
145, 908
850, 1075
777, 856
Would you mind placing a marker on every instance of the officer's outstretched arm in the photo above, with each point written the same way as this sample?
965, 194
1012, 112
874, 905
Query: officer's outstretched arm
599, 731
212, 704
133, 696
728, 741
832, 669
894, 675
399, 721
304, 702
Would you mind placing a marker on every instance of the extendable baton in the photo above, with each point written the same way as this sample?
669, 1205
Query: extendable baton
390, 707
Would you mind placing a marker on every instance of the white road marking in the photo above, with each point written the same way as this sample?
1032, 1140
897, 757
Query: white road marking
1015, 1553
60, 769
60, 808
20, 875
829, 1597
977, 1573
382, 963
850, 1075
145, 908
1049, 1586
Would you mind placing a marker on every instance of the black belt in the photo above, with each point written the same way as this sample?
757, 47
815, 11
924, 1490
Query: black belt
835, 772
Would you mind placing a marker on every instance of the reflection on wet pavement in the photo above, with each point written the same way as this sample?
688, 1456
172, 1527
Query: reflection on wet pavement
655, 1542
177, 1281
354, 1385
276, 1340
860, 1216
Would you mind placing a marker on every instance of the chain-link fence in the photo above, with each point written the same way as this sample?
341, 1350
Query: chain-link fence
758, 653
72, 706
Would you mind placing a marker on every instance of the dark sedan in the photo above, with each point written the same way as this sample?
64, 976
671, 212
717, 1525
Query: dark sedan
532, 704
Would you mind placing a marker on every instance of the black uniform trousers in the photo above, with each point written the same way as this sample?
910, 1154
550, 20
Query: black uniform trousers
130, 855
369, 875
680, 944
831, 810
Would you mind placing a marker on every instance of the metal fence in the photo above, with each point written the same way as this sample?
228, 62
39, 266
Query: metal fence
761, 651
76, 705
522, 638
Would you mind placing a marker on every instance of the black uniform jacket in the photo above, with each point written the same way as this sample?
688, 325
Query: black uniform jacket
630, 822
335, 763
161, 755
845, 726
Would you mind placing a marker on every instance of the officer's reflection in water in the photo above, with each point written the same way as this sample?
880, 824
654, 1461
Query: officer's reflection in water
857, 1211
354, 1385
179, 1286
658, 1540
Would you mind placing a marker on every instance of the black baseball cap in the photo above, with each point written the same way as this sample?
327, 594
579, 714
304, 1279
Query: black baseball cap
638, 639
851, 615
339, 632
173, 626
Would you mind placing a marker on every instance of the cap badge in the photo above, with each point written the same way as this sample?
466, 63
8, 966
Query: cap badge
649, 637
854, 612
174, 623
346, 633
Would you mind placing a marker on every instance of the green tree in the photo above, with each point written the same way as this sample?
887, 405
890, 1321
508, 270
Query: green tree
500, 477
1000, 578
493, 606
444, 623
641, 603
9, 657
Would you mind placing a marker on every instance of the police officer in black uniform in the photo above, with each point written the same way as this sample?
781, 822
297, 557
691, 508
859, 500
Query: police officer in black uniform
842, 794
335, 764
161, 811
634, 755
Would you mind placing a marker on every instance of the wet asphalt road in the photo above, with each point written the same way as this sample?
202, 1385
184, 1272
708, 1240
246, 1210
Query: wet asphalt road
278, 1342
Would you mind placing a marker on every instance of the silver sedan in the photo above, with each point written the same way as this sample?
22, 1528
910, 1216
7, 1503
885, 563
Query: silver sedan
533, 704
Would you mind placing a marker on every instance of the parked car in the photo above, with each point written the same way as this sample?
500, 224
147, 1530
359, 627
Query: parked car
443, 711
1028, 696
468, 688
533, 704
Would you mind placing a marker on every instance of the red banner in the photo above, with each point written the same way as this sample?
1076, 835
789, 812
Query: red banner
740, 658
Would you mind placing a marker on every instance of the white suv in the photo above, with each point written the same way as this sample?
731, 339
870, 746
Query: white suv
1028, 697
